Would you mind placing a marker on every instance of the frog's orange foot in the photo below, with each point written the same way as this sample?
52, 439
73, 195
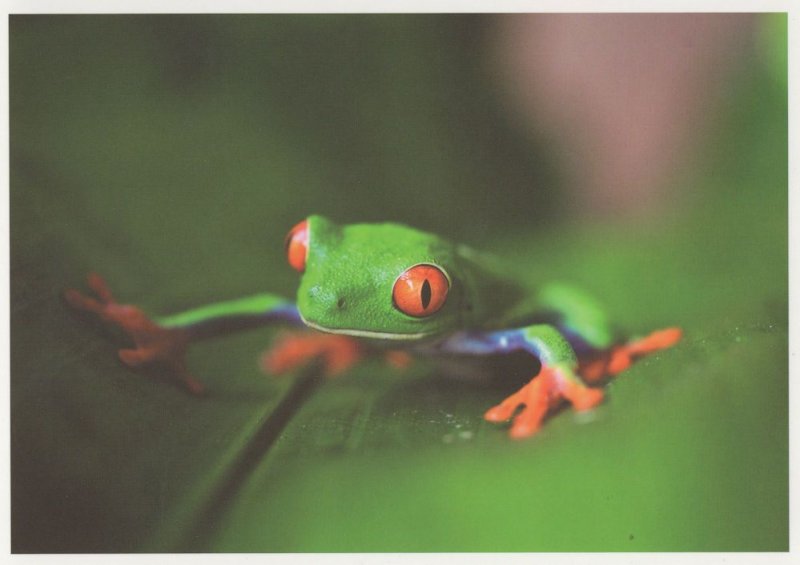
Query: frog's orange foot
294, 350
129, 318
544, 393
622, 356
154, 344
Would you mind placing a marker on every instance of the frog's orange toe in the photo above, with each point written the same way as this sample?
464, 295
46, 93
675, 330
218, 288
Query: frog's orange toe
619, 361
593, 370
508, 406
548, 390
100, 287
81, 302
524, 427
137, 357
660, 339
623, 356
529, 420
582, 397
499, 413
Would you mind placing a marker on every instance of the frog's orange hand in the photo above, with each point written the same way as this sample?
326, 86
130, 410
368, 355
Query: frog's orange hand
338, 353
547, 391
294, 350
154, 344
620, 357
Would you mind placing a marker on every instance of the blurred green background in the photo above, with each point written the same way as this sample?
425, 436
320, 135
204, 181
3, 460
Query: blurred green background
172, 153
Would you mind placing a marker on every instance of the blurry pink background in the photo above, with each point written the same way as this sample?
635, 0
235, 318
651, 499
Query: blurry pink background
626, 97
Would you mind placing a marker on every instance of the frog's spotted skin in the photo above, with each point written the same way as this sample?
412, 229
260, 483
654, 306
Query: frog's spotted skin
391, 289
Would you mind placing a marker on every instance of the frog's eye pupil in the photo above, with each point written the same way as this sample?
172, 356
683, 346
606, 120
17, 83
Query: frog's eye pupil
297, 246
421, 290
425, 294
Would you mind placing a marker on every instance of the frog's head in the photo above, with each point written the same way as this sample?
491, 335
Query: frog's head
383, 281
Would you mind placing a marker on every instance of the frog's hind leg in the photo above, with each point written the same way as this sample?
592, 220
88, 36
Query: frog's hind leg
596, 366
555, 383
585, 325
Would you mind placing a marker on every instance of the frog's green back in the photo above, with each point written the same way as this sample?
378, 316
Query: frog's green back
495, 298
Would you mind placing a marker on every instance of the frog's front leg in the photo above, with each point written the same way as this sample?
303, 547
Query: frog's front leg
555, 383
291, 351
337, 353
164, 341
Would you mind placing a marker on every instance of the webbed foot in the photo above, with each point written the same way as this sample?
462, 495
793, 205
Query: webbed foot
620, 357
154, 344
548, 390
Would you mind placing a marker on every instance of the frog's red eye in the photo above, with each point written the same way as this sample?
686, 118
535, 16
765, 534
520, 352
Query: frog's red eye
297, 246
421, 290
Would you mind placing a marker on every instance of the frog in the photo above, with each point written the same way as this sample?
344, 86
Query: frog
393, 290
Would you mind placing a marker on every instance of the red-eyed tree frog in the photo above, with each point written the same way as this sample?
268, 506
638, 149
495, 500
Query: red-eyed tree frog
388, 287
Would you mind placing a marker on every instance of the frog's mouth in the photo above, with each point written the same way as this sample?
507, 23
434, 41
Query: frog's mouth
367, 333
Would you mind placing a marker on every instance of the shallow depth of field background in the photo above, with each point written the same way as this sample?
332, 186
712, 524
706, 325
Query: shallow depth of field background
643, 158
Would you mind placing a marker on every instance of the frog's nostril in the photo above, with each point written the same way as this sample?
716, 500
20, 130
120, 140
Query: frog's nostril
340, 303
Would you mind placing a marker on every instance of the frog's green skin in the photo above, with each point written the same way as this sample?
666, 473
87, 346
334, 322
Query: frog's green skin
346, 289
